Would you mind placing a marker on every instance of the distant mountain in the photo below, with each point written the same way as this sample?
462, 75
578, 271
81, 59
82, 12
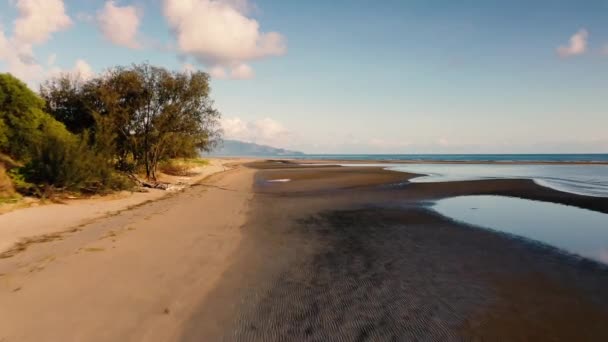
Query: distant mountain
245, 149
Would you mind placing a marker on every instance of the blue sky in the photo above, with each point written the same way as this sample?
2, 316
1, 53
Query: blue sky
350, 76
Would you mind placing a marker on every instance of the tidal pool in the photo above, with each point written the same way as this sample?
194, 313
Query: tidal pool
574, 230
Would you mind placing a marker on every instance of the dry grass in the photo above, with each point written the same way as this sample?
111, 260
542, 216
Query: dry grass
181, 167
6, 186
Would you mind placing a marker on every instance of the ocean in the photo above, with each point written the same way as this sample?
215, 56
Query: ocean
582, 179
599, 157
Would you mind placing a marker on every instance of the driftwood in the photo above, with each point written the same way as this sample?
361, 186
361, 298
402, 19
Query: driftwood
148, 183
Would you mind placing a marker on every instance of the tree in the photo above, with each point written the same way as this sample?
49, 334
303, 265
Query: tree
21, 115
144, 114
177, 117
50, 156
68, 102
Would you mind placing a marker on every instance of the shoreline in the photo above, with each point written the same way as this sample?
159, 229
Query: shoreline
413, 161
332, 254
340, 252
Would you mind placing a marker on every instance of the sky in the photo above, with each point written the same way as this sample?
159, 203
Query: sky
394, 76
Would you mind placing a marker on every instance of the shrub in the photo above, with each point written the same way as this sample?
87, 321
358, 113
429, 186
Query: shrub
50, 157
21, 113
181, 167
65, 162
6, 186
174, 167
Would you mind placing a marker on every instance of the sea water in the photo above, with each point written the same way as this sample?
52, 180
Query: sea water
592, 157
581, 179
577, 231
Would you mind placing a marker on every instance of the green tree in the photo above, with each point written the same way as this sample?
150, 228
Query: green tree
51, 157
21, 115
177, 117
147, 113
68, 101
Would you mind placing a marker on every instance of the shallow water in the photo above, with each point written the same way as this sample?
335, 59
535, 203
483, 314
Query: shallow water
587, 180
578, 231
568, 157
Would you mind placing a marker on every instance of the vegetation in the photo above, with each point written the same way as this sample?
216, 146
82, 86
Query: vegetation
142, 115
181, 167
86, 136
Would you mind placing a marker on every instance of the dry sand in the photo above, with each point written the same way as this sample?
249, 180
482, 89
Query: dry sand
27, 223
135, 276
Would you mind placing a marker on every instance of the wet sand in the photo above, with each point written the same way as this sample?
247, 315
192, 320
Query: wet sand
356, 254
336, 253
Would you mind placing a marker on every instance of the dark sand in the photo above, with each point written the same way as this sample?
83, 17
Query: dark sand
354, 254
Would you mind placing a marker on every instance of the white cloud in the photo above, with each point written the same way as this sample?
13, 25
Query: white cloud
83, 70
218, 72
264, 131
38, 19
188, 67
218, 34
242, 72
20, 66
119, 24
36, 22
577, 44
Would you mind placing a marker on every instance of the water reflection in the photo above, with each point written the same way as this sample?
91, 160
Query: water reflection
580, 179
574, 230
588, 180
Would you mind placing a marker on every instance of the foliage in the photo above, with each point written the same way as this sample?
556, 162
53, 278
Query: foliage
181, 167
197, 161
79, 133
67, 100
174, 167
51, 157
177, 116
20, 183
6, 187
21, 115
153, 114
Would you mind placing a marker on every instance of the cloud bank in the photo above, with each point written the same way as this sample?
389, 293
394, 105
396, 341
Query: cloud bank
220, 35
36, 22
264, 131
38, 19
119, 24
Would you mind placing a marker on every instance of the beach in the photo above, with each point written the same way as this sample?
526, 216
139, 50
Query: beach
274, 250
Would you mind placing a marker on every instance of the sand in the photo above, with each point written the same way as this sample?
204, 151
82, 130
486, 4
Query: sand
359, 256
51, 218
333, 254
135, 276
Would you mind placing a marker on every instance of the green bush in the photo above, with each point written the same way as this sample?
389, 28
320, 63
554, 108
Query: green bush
66, 162
21, 114
50, 157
